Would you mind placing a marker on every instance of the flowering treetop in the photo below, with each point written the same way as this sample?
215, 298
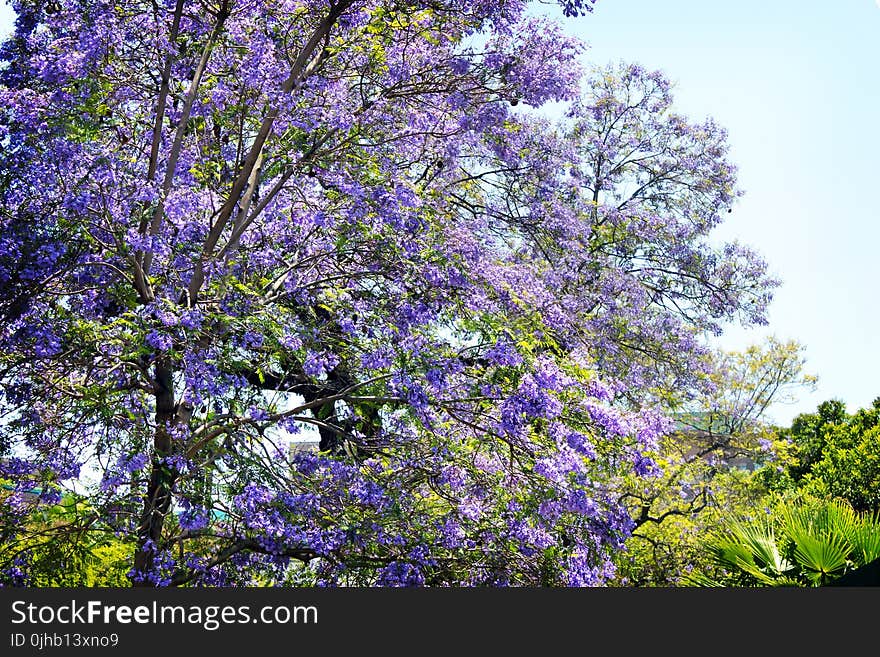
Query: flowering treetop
225, 222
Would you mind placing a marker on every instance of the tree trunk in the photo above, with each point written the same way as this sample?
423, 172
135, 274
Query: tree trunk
157, 499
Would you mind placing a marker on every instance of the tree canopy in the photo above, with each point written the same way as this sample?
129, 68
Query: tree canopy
835, 454
227, 224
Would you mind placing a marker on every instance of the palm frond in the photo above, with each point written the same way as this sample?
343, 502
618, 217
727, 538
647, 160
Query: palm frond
866, 543
823, 558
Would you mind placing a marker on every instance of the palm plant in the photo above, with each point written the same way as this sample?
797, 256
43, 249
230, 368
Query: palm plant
809, 542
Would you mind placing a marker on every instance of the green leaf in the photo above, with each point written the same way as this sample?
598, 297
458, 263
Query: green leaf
866, 543
823, 558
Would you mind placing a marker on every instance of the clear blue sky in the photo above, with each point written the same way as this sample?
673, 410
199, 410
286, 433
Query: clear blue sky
797, 85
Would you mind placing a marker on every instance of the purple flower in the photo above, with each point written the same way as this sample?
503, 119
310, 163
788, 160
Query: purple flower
159, 341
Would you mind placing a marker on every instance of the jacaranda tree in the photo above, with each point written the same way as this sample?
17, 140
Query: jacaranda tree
228, 223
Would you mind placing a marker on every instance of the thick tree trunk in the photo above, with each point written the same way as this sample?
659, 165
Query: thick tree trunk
157, 498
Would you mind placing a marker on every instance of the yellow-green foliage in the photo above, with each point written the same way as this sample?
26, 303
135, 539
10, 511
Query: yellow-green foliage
713, 466
66, 546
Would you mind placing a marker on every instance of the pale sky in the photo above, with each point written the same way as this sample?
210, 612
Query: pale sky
797, 85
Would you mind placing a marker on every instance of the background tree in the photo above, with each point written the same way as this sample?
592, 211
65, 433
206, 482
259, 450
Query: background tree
835, 455
62, 545
256, 219
712, 467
